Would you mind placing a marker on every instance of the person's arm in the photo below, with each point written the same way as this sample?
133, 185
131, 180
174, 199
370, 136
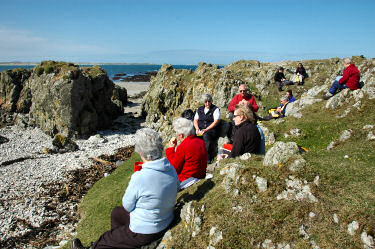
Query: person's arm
238, 145
345, 76
232, 104
253, 104
130, 197
176, 158
196, 117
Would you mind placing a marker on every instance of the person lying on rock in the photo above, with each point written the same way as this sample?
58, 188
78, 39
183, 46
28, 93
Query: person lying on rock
279, 112
350, 79
206, 120
280, 80
243, 98
189, 158
247, 138
148, 203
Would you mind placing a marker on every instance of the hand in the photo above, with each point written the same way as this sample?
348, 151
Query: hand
172, 142
278, 109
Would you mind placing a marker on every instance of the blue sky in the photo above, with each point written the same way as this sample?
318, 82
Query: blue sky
185, 32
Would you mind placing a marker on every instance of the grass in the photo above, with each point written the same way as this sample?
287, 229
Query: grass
95, 208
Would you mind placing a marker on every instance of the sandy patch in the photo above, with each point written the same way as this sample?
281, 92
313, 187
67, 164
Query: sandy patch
133, 87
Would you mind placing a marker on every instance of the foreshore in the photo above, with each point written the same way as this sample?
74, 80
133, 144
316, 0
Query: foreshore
29, 176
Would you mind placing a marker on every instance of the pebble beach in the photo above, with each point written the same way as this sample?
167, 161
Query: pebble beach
25, 171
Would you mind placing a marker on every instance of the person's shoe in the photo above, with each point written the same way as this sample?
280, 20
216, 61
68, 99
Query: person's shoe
327, 96
76, 244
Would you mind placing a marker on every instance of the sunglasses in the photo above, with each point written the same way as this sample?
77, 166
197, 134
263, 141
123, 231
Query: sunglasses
243, 91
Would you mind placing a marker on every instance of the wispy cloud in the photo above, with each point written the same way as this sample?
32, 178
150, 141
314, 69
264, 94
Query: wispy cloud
25, 45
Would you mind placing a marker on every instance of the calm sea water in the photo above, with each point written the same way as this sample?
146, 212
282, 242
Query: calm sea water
130, 70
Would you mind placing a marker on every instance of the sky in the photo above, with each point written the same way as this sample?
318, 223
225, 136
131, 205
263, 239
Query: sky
185, 32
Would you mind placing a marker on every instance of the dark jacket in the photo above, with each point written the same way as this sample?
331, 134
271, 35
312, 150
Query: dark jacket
246, 139
301, 71
279, 76
205, 119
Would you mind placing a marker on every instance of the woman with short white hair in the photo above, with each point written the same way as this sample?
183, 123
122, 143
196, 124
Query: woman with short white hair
189, 158
148, 203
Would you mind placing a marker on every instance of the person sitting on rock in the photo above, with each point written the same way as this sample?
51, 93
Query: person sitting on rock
206, 120
247, 138
290, 96
280, 80
190, 157
243, 98
300, 74
148, 203
350, 79
279, 112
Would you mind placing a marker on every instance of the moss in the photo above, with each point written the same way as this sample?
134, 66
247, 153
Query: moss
59, 140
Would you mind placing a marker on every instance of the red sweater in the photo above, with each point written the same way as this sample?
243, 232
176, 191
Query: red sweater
189, 159
237, 99
350, 77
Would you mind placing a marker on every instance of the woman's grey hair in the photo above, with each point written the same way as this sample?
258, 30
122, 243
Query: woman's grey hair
347, 60
284, 98
184, 126
206, 97
148, 144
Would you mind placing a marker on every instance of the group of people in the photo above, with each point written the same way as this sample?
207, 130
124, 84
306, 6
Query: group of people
299, 77
148, 203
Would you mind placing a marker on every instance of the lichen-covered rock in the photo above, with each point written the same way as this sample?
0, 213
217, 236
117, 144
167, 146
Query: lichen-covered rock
353, 227
280, 153
296, 190
367, 240
15, 94
72, 101
193, 221
119, 96
231, 177
215, 236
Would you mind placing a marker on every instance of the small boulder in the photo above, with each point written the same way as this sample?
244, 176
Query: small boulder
280, 153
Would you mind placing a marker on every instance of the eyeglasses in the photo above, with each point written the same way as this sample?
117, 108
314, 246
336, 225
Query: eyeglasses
243, 91
234, 116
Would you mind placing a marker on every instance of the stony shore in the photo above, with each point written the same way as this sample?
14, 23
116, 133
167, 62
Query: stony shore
27, 174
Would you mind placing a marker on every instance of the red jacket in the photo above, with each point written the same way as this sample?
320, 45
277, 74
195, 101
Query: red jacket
236, 99
350, 77
189, 159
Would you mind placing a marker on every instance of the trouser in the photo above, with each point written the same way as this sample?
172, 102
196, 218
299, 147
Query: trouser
210, 141
120, 235
336, 86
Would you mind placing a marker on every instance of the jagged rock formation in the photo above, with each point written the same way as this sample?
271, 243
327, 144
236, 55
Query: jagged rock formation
62, 98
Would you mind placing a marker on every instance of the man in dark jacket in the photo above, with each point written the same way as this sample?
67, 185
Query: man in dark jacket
280, 79
350, 79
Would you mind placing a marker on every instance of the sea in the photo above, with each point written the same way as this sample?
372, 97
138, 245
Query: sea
112, 70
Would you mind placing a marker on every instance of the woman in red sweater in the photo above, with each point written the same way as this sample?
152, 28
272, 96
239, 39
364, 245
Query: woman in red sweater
189, 158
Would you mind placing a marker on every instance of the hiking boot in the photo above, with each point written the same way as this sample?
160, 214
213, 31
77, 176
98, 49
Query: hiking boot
327, 96
76, 244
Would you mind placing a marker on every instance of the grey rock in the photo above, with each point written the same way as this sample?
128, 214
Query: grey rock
335, 218
298, 164
295, 190
345, 135
245, 156
215, 235
353, 227
261, 183
367, 240
280, 153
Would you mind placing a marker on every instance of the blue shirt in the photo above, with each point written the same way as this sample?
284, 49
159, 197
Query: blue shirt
150, 197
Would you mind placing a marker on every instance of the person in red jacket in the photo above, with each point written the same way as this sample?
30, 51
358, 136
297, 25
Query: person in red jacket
350, 79
244, 97
190, 157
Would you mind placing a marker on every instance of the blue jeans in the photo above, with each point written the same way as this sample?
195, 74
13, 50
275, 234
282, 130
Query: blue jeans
336, 86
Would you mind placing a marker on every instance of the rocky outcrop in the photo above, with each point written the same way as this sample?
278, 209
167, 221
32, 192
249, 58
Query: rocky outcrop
173, 91
62, 98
